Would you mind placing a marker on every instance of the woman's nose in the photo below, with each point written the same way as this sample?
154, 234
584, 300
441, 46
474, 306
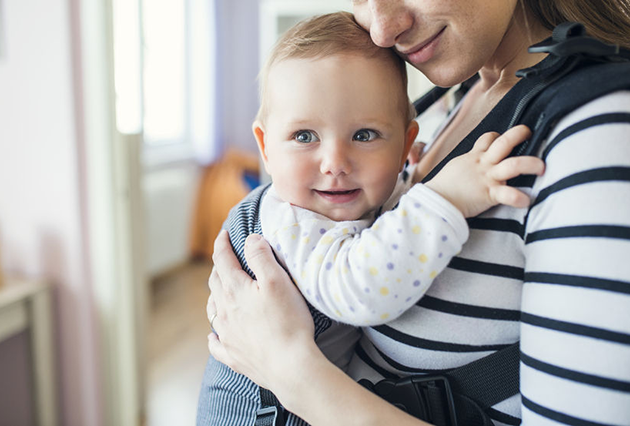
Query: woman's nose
336, 160
388, 20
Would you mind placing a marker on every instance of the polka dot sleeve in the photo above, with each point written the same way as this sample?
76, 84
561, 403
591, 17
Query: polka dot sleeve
364, 273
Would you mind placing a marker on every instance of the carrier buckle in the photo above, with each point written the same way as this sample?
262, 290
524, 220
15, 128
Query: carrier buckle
426, 397
269, 416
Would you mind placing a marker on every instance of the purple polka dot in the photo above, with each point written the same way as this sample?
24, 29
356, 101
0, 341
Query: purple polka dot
322, 231
366, 289
395, 296
444, 238
304, 234
417, 205
308, 291
444, 220
410, 253
395, 246
319, 299
390, 266
279, 247
328, 266
440, 255
416, 283
355, 228
351, 308
400, 231
408, 299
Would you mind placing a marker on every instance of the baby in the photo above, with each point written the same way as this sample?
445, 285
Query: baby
334, 130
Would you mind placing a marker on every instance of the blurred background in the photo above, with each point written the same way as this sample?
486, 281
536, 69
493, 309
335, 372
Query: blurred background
124, 140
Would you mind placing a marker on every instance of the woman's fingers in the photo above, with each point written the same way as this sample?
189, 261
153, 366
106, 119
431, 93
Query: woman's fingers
503, 145
261, 260
228, 268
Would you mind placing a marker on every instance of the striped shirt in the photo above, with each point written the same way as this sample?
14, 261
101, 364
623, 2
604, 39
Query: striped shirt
555, 276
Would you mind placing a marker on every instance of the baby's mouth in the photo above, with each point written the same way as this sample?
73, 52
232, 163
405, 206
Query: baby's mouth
339, 196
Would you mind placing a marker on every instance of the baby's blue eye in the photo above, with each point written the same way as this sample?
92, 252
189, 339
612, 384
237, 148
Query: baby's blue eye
305, 136
365, 135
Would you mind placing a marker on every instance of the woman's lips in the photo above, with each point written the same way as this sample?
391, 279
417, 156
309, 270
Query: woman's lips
339, 197
424, 51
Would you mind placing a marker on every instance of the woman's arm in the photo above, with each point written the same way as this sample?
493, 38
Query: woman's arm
575, 335
264, 330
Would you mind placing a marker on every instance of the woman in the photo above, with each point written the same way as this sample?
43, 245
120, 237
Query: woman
554, 276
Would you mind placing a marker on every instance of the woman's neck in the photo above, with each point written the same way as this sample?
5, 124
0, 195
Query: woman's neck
499, 73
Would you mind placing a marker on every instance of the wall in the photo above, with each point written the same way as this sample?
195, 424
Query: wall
238, 50
41, 221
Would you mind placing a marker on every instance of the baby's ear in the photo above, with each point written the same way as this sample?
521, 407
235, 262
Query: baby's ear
410, 137
259, 134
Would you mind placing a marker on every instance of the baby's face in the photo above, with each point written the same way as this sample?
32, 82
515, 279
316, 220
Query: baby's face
335, 136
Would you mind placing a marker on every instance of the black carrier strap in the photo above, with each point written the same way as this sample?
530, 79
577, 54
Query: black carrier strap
459, 396
271, 412
578, 69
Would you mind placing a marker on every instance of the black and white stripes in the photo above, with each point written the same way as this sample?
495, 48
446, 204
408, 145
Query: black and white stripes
557, 277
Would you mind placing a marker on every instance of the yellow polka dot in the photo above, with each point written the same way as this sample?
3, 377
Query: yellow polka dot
344, 231
327, 239
398, 280
433, 274
320, 259
409, 271
384, 291
423, 258
303, 274
338, 313
416, 229
385, 316
292, 236
337, 298
375, 227
373, 271
366, 254
306, 240
295, 224
345, 270
403, 212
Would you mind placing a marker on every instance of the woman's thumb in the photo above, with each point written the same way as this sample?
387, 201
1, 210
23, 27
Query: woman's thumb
260, 258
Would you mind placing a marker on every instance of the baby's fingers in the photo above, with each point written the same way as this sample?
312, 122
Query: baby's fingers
504, 144
515, 166
503, 194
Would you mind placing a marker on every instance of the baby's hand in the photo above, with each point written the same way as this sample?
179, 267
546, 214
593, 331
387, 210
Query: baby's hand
476, 181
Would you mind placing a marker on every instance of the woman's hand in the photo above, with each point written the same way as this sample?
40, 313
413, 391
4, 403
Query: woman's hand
259, 324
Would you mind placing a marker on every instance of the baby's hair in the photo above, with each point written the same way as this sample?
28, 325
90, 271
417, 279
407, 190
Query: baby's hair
325, 35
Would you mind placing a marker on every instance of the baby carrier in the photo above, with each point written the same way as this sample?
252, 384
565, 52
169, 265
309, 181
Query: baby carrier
577, 70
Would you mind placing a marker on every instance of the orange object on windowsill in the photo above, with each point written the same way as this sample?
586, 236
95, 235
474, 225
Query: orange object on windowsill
222, 186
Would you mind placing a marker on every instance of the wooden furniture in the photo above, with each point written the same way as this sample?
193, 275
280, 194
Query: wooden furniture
26, 305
